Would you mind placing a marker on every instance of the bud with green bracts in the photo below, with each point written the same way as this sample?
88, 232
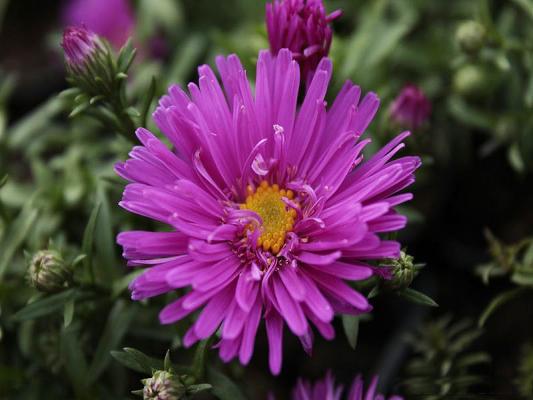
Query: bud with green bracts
48, 272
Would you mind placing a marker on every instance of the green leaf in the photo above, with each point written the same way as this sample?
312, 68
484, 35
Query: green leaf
133, 112
497, 302
414, 296
526, 5
522, 277
121, 284
137, 361
16, 234
32, 124
116, 327
350, 324
200, 355
46, 305
186, 58
198, 388
104, 241
68, 312
147, 102
223, 387
75, 362
79, 109
88, 240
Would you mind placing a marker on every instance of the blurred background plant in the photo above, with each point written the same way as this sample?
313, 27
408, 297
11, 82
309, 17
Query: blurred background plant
472, 61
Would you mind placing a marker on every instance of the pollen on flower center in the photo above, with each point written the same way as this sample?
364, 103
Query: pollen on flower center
278, 219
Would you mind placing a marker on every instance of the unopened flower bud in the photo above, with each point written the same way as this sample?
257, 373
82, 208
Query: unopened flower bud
48, 272
303, 27
473, 80
471, 36
163, 385
79, 45
411, 108
403, 271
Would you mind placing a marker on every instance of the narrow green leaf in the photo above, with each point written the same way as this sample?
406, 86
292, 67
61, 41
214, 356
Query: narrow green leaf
351, 329
46, 305
79, 109
167, 363
88, 240
223, 387
22, 132
121, 284
414, 296
3, 180
526, 5
75, 362
497, 302
147, 102
198, 388
68, 312
133, 112
137, 361
16, 234
186, 58
198, 363
105, 260
116, 327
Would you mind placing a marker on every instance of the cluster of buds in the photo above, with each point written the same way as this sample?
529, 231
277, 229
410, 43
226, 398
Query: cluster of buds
98, 79
48, 272
303, 27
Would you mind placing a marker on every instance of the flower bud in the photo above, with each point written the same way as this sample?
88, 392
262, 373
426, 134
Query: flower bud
113, 20
474, 81
411, 108
403, 271
163, 385
48, 272
471, 36
79, 45
303, 27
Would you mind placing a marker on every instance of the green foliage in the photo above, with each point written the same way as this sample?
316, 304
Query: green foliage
513, 261
524, 380
444, 366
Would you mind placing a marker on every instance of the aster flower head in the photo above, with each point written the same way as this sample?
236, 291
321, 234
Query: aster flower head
271, 205
327, 390
411, 109
303, 27
79, 45
111, 19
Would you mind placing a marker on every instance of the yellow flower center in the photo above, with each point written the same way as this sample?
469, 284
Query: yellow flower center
278, 219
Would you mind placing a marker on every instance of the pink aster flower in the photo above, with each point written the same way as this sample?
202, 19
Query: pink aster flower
271, 206
78, 44
411, 108
111, 19
326, 390
303, 27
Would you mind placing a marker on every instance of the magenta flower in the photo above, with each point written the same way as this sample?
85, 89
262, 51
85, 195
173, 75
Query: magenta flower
326, 390
303, 27
411, 109
271, 206
111, 19
78, 44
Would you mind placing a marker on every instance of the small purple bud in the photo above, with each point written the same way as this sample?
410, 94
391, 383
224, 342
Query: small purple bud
113, 20
303, 27
411, 108
79, 44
